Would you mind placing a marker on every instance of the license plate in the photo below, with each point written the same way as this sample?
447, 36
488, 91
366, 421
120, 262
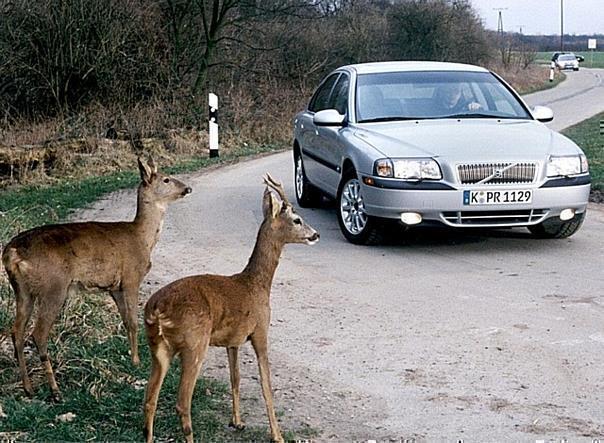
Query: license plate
499, 197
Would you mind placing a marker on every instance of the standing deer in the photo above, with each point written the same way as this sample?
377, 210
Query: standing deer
190, 314
47, 263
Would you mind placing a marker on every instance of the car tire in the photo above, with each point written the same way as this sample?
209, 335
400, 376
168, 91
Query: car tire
555, 228
306, 194
575, 69
358, 227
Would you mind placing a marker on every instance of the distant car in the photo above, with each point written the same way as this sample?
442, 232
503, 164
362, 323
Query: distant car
556, 54
567, 60
378, 138
580, 58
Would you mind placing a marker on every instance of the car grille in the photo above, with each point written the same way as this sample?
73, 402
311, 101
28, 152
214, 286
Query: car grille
494, 218
470, 174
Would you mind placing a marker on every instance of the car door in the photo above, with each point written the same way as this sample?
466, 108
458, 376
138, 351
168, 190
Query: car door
309, 137
329, 144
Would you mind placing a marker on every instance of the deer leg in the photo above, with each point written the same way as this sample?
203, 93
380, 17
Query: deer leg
160, 362
191, 361
49, 306
260, 344
127, 305
234, 370
25, 306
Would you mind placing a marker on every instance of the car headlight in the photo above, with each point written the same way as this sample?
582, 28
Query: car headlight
408, 169
569, 165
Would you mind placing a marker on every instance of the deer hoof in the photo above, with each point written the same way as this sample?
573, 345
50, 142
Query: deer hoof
56, 397
237, 426
29, 391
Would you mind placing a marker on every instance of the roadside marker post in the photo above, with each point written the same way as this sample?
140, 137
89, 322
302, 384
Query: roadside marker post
601, 127
213, 124
552, 68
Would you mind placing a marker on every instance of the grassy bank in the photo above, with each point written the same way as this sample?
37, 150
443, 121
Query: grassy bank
89, 348
587, 135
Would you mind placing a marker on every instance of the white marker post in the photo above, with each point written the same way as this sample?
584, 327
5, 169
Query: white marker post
213, 124
552, 68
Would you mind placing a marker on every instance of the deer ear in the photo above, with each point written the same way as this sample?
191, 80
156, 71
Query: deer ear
152, 165
146, 170
270, 204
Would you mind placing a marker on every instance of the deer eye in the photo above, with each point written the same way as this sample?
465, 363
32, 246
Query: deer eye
297, 221
166, 180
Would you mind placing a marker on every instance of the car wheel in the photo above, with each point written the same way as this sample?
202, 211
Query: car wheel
358, 227
555, 228
306, 194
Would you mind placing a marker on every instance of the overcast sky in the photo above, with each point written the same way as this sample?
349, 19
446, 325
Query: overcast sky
543, 16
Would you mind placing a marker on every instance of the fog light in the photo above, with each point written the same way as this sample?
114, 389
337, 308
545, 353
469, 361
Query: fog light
411, 218
567, 214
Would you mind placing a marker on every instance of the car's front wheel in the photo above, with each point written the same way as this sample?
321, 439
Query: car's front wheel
306, 194
358, 227
555, 228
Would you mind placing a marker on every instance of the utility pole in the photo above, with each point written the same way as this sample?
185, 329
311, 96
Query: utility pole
500, 34
562, 25
500, 20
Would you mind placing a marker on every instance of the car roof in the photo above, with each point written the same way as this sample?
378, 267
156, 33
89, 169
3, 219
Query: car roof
398, 66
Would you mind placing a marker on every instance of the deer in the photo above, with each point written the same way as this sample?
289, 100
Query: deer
48, 263
188, 315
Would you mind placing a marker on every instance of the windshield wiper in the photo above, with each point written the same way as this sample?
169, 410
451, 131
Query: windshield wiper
474, 115
389, 119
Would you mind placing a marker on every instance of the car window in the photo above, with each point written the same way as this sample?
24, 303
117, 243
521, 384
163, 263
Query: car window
320, 100
339, 96
434, 94
498, 100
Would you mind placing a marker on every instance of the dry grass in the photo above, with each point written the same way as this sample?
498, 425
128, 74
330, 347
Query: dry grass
78, 145
525, 81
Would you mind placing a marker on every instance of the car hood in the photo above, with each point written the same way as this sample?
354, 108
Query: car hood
472, 140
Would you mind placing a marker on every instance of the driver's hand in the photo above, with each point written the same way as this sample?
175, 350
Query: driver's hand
474, 106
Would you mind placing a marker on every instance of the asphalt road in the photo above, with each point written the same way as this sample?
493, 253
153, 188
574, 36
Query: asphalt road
579, 97
485, 336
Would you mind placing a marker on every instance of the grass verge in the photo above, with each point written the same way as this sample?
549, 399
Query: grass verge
33, 205
89, 348
587, 135
559, 77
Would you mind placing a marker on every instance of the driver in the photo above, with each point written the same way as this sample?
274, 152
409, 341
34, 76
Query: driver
451, 100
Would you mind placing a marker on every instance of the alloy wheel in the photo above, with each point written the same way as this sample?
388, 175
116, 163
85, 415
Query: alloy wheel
352, 207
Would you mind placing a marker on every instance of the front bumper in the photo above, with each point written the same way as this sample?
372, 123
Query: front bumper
446, 205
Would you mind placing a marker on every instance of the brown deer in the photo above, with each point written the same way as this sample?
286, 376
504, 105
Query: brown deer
47, 263
190, 314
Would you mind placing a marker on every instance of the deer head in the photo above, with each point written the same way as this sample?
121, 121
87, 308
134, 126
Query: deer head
288, 226
157, 187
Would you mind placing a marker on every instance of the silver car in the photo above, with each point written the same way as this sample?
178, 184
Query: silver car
425, 142
567, 61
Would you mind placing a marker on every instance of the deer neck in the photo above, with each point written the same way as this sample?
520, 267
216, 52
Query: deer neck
149, 220
265, 258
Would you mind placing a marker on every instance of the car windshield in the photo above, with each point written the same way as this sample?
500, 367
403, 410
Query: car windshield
435, 94
567, 57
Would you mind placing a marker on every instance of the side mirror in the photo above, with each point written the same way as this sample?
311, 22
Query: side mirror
328, 117
543, 114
